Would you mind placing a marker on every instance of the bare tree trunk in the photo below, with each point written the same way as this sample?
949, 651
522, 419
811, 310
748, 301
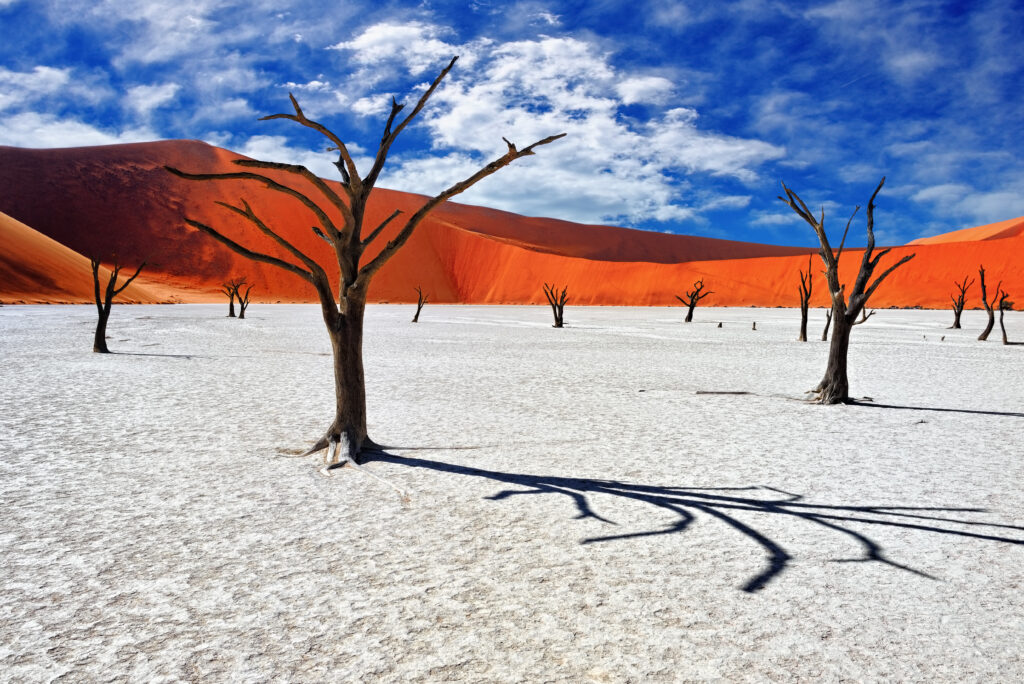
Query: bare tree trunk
988, 305
828, 323
692, 298
689, 312
348, 428
959, 301
557, 302
1003, 306
99, 342
834, 387
806, 287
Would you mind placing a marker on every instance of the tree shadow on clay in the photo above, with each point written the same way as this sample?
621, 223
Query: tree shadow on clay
979, 412
725, 503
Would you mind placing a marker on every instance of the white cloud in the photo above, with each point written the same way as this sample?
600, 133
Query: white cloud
607, 169
652, 89
276, 148
46, 130
145, 98
25, 87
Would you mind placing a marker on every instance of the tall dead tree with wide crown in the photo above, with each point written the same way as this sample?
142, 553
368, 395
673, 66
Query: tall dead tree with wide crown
834, 387
343, 311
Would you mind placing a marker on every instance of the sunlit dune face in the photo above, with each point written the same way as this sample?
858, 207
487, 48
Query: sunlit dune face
119, 199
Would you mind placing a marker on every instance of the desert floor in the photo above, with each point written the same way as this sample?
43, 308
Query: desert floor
578, 510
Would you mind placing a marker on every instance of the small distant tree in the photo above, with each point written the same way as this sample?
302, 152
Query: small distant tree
834, 387
231, 289
243, 300
349, 241
421, 299
828, 324
959, 300
557, 301
1004, 306
99, 343
693, 297
989, 305
806, 285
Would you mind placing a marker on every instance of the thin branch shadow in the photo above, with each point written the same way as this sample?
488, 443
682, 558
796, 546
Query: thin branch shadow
723, 503
166, 356
1009, 414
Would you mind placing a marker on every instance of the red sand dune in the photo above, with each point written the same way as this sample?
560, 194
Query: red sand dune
38, 270
119, 198
992, 231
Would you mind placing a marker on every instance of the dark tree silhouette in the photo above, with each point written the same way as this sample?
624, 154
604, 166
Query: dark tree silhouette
557, 301
806, 285
420, 301
1004, 306
989, 305
243, 301
959, 300
103, 303
343, 311
828, 324
231, 289
693, 297
834, 387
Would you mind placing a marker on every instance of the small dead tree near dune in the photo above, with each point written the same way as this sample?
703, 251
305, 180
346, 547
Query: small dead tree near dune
989, 305
103, 303
340, 216
231, 288
243, 301
828, 324
421, 299
806, 286
557, 301
834, 387
1004, 306
693, 297
959, 301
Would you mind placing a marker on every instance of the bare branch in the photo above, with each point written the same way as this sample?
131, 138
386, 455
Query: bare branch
247, 213
119, 290
318, 182
376, 231
339, 146
389, 137
325, 220
878, 281
248, 253
847, 230
367, 271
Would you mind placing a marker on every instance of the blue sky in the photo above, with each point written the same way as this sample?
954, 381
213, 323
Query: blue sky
682, 116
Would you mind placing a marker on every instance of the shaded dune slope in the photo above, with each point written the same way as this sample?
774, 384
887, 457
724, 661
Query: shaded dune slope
102, 200
37, 269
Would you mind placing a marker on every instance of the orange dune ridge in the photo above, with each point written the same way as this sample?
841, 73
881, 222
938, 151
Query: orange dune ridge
120, 199
37, 270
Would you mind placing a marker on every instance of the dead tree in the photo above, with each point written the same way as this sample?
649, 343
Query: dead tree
834, 387
243, 300
557, 301
693, 297
231, 289
989, 305
99, 343
828, 324
805, 297
959, 300
421, 299
342, 312
1004, 306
